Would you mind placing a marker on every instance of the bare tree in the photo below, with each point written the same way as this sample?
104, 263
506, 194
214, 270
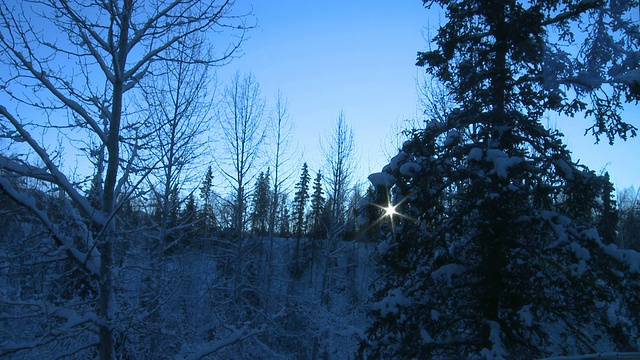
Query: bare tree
81, 86
338, 149
629, 218
280, 130
176, 100
241, 122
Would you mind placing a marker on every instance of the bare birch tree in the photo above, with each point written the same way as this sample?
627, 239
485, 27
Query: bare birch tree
243, 132
73, 69
176, 100
338, 149
280, 130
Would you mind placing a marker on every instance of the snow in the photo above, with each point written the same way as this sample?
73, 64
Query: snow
446, 272
631, 257
73, 319
564, 168
475, 154
502, 164
384, 247
525, 315
395, 161
578, 269
409, 169
501, 161
612, 315
426, 337
497, 351
382, 179
580, 252
389, 305
452, 137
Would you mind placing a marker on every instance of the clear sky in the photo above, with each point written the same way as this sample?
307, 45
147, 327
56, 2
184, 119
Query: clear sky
328, 56
359, 57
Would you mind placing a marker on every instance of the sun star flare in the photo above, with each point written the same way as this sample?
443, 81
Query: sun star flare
390, 210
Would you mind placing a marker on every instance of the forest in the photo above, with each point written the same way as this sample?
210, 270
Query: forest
125, 235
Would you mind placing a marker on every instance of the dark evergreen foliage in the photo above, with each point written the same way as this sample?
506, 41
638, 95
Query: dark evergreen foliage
317, 230
298, 212
299, 205
209, 221
261, 204
495, 253
608, 220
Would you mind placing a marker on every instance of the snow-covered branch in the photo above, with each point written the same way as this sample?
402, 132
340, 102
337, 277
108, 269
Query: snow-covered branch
236, 336
89, 261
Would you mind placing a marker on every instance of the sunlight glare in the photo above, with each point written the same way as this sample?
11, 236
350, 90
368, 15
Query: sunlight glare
390, 210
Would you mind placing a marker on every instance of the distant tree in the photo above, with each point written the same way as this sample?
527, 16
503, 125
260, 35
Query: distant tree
298, 214
317, 207
315, 220
188, 217
338, 151
243, 134
261, 205
280, 130
284, 218
608, 219
352, 228
299, 205
178, 111
493, 247
629, 219
207, 196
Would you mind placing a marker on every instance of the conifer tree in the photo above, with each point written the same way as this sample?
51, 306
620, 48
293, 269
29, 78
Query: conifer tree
608, 221
317, 227
261, 204
298, 213
207, 196
493, 251
300, 202
284, 218
317, 208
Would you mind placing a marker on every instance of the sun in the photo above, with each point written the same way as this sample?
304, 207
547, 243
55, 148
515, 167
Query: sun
390, 210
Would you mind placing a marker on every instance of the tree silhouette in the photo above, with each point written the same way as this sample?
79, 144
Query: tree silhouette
496, 246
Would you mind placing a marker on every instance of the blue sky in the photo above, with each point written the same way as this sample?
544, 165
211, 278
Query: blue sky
328, 56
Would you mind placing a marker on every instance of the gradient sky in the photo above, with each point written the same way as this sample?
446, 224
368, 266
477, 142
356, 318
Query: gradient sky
328, 56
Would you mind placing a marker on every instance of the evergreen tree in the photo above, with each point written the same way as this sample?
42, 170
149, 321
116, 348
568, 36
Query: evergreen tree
207, 196
317, 207
351, 227
299, 205
608, 222
187, 218
284, 218
261, 204
298, 212
494, 252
